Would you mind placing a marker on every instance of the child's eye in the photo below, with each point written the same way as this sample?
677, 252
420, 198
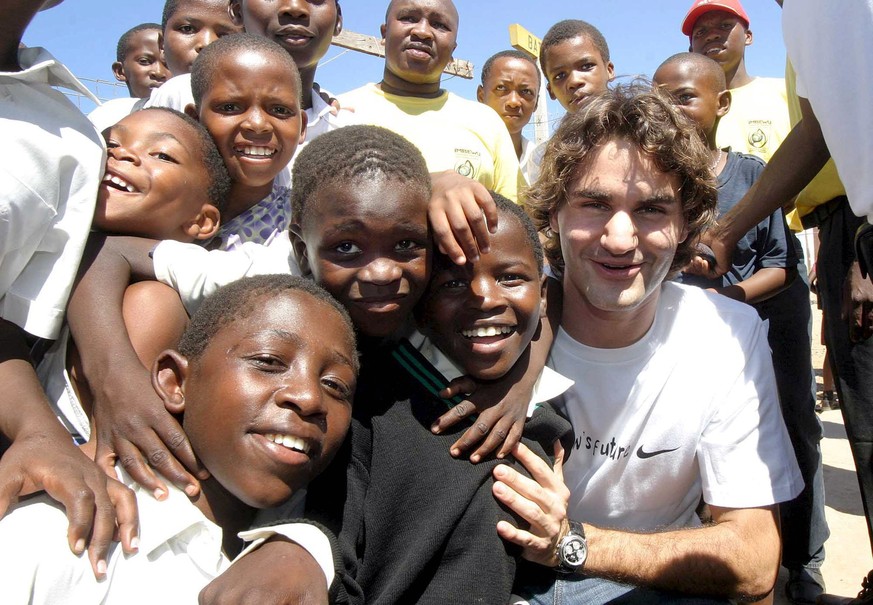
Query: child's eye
685, 99
144, 61
347, 248
338, 387
454, 284
282, 111
227, 108
406, 245
166, 157
512, 279
186, 29
267, 362
558, 76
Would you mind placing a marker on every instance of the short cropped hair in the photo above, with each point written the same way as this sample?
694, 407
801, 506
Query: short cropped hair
203, 69
569, 29
237, 300
508, 54
219, 180
170, 8
349, 153
507, 209
701, 63
645, 117
124, 41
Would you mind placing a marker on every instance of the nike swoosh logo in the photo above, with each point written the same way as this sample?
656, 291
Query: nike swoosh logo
643, 454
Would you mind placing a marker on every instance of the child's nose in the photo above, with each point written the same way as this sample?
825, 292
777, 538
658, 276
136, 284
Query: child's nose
381, 271
302, 393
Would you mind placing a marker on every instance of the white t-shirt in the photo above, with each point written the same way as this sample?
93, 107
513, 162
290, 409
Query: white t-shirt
691, 409
530, 160
51, 163
180, 553
836, 75
195, 272
113, 111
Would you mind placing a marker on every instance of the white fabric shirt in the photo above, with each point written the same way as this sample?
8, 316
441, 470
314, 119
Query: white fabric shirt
51, 162
180, 553
195, 272
531, 157
691, 409
836, 75
113, 111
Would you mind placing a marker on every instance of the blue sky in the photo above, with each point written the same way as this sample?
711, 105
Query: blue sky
640, 33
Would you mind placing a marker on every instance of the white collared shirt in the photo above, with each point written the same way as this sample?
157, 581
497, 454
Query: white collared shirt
51, 162
180, 552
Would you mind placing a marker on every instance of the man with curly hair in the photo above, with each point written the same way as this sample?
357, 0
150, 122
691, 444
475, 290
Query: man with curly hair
674, 401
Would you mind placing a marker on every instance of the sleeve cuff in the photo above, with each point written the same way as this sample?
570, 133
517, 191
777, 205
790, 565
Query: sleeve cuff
307, 535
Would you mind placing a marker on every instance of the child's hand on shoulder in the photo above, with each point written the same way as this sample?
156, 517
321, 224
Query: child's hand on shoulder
502, 411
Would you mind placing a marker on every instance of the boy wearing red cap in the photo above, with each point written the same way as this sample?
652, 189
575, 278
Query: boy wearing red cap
758, 121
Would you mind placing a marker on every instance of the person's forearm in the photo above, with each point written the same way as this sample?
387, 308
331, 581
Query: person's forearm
793, 165
762, 285
727, 559
95, 310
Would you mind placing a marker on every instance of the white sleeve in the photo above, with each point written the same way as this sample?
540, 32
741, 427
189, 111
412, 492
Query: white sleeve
308, 536
175, 93
745, 455
195, 272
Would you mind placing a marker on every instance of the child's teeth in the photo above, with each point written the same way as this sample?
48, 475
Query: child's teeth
260, 151
484, 331
289, 441
119, 181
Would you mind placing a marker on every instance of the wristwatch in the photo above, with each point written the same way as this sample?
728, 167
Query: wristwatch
572, 550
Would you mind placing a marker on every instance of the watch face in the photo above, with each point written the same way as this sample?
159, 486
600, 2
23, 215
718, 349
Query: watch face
574, 551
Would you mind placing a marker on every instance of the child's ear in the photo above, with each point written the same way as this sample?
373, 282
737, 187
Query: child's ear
551, 94
304, 121
295, 233
724, 103
205, 225
480, 94
168, 379
234, 10
382, 29
748, 37
337, 30
610, 69
191, 112
118, 70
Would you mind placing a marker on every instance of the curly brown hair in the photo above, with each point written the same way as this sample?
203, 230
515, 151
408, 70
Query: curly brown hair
646, 117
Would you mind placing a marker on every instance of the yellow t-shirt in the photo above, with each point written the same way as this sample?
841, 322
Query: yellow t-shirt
452, 133
827, 184
757, 122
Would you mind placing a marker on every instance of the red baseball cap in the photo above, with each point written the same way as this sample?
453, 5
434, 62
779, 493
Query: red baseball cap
705, 6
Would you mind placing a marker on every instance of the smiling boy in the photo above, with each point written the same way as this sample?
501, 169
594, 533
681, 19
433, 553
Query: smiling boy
266, 403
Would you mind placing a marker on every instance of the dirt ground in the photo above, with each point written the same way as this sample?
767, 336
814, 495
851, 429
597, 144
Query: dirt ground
848, 557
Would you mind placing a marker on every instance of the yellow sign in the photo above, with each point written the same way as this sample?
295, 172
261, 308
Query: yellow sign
523, 40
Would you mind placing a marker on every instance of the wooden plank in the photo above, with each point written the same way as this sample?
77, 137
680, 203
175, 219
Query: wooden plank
521, 39
372, 45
